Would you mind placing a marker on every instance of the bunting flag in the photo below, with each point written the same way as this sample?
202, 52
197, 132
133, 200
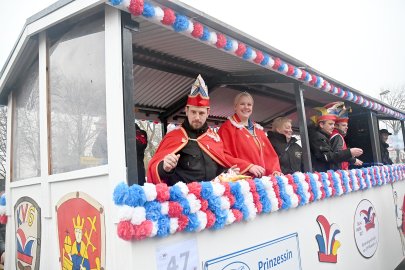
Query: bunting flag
188, 26
159, 210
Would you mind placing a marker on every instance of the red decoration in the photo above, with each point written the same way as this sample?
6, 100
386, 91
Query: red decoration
303, 74
221, 41
143, 230
322, 188
256, 197
204, 204
290, 70
259, 57
277, 63
169, 16
194, 188
183, 222
308, 180
125, 230
136, 7
238, 215
276, 191
198, 30
313, 79
175, 209
162, 192
210, 219
241, 49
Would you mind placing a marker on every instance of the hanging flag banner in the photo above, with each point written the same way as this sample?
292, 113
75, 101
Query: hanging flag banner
81, 232
366, 228
28, 233
282, 253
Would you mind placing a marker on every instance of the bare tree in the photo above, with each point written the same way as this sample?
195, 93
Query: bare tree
3, 143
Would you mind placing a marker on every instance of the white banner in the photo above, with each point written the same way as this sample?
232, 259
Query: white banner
281, 254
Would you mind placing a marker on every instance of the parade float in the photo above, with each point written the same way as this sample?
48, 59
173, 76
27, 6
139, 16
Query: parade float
79, 76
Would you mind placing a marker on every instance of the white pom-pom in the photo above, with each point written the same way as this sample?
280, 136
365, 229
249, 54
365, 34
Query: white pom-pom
155, 228
159, 14
252, 211
183, 187
150, 191
174, 225
138, 216
294, 201
124, 5
164, 208
298, 74
218, 189
244, 186
234, 45
213, 38
225, 204
274, 205
3, 209
190, 27
202, 217
253, 56
194, 203
270, 64
125, 212
230, 218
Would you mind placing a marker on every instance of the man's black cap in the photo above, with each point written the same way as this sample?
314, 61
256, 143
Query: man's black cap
384, 131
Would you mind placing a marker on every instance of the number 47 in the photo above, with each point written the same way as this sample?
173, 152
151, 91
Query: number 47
173, 263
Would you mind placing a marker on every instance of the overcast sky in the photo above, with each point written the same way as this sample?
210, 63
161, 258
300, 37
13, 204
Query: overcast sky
360, 43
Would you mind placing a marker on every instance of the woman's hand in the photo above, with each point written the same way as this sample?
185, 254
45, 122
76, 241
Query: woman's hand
257, 171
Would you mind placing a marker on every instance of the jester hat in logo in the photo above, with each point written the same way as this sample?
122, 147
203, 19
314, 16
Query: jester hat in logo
199, 94
327, 112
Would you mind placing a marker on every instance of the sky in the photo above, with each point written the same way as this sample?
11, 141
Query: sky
359, 43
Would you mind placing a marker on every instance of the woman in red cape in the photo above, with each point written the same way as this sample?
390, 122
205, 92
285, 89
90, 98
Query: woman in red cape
245, 143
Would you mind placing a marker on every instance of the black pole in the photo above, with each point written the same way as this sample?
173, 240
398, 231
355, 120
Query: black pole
128, 26
374, 136
306, 152
403, 132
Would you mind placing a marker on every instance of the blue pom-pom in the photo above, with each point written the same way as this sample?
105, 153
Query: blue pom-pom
185, 204
206, 34
263, 196
206, 190
193, 223
248, 53
120, 194
300, 190
324, 178
181, 23
163, 226
153, 210
285, 199
3, 200
175, 193
228, 45
266, 59
148, 10
308, 77
115, 2
136, 196
313, 186
282, 67
295, 72
318, 81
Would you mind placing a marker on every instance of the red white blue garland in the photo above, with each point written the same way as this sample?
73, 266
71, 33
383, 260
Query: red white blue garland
158, 210
182, 24
3, 217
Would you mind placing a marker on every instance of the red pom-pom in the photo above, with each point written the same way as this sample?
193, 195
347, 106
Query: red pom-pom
290, 70
183, 222
256, 197
238, 215
210, 219
241, 49
313, 79
136, 7
125, 230
276, 191
341, 181
3, 219
322, 188
194, 188
198, 30
221, 41
324, 85
175, 209
169, 16
143, 230
311, 193
228, 193
162, 191
303, 74
204, 204
259, 57
277, 63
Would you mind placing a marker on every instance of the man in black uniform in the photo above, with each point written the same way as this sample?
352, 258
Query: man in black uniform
141, 144
319, 132
385, 156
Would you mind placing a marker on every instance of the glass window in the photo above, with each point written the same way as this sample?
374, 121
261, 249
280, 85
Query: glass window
77, 95
25, 150
391, 140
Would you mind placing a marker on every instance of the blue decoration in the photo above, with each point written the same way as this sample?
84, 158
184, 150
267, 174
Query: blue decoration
3, 199
193, 223
314, 188
300, 190
282, 67
115, 2
206, 190
206, 34
153, 210
285, 199
325, 184
120, 194
248, 53
228, 45
136, 196
266, 59
181, 23
175, 193
163, 226
264, 199
148, 10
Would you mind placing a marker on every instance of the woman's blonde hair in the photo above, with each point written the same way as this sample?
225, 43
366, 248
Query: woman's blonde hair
279, 122
240, 95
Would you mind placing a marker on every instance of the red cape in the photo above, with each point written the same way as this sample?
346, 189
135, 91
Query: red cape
176, 140
245, 150
335, 132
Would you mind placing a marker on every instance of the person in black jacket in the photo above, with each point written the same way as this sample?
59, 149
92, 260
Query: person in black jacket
141, 144
288, 151
322, 154
385, 156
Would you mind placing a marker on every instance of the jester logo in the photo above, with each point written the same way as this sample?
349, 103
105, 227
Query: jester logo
80, 233
368, 216
327, 243
28, 234
236, 266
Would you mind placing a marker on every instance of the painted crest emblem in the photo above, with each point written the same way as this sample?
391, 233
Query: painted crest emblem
81, 233
28, 233
366, 228
327, 243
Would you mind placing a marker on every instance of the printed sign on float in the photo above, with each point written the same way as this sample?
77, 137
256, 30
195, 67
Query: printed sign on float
282, 254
